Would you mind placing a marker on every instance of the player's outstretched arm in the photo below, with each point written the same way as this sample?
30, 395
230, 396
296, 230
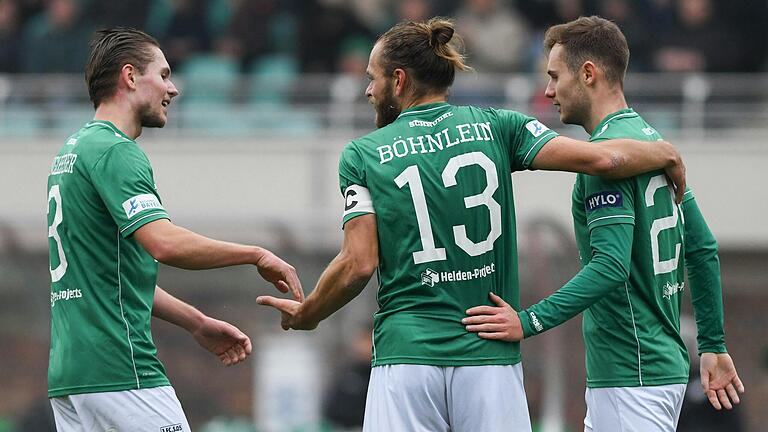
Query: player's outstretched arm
222, 339
618, 158
719, 380
180, 247
343, 280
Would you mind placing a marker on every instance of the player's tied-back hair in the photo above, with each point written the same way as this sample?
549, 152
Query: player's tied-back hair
111, 49
429, 51
592, 39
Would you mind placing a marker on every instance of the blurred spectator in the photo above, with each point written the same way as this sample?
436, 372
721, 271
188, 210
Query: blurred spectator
697, 42
187, 31
344, 402
629, 17
38, 418
324, 26
10, 37
250, 35
56, 41
115, 13
413, 10
496, 35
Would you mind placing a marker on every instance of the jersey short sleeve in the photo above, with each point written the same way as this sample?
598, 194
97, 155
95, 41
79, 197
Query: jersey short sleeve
608, 202
123, 178
526, 137
353, 184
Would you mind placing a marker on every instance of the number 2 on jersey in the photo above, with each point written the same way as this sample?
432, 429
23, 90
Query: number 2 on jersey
55, 195
661, 224
412, 177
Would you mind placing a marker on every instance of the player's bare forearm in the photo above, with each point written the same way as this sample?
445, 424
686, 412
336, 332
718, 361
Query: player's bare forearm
618, 158
168, 308
343, 280
179, 247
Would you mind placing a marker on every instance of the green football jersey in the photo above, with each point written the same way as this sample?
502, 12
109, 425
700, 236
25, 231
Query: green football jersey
632, 335
438, 180
100, 190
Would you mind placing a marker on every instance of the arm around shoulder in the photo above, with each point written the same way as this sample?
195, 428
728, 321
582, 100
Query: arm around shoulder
616, 158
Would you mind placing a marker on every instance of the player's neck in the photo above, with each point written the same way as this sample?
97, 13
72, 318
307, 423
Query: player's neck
425, 100
604, 106
118, 116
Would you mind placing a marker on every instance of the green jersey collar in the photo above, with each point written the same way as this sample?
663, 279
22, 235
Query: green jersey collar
425, 108
603, 125
108, 125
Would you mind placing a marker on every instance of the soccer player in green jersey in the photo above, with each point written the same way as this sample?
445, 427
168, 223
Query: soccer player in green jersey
635, 243
429, 203
107, 230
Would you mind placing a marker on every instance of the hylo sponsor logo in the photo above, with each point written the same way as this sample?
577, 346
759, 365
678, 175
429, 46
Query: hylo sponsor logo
604, 199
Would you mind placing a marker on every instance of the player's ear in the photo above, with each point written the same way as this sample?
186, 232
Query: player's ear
399, 77
128, 75
588, 73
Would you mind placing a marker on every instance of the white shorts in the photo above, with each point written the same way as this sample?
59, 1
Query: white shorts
152, 410
418, 398
634, 409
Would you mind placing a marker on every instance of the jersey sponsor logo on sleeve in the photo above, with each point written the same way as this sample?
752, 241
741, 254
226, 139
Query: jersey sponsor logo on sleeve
357, 199
536, 128
535, 321
139, 203
603, 200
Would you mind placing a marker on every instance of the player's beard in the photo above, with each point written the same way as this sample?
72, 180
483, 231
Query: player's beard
578, 109
150, 118
387, 108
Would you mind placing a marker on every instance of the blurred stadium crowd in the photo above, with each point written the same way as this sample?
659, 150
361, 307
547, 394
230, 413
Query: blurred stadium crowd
330, 36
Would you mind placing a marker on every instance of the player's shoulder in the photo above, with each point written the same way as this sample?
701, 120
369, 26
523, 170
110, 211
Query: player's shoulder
96, 140
626, 123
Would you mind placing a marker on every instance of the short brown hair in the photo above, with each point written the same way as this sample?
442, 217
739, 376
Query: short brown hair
111, 49
591, 39
430, 51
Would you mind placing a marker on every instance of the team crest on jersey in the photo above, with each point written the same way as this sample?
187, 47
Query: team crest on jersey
140, 203
429, 277
536, 128
603, 200
172, 428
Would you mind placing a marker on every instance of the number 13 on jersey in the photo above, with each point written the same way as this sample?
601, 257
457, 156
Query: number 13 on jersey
412, 177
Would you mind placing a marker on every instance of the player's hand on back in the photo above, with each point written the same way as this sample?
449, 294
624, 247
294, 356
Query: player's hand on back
281, 274
224, 340
500, 322
719, 380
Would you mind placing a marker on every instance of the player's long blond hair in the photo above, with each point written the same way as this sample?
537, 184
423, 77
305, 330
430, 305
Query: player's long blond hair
430, 51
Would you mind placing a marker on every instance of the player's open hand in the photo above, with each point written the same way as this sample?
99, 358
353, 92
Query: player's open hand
719, 380
290, 312
224, 340
676, 173
281, 274
500, 322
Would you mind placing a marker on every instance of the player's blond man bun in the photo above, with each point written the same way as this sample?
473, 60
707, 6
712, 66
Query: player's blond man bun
430, 51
